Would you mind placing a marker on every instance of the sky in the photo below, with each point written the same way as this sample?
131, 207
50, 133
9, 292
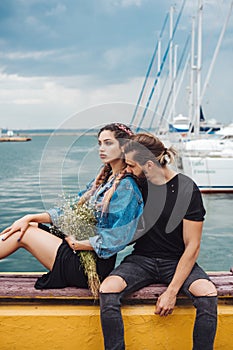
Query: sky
59, 59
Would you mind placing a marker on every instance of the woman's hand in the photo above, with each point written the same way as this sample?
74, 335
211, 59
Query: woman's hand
78, 245
19, 225
72, 242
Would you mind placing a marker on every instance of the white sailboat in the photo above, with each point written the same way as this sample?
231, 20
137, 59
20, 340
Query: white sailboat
211, 169
208, 160
180, 124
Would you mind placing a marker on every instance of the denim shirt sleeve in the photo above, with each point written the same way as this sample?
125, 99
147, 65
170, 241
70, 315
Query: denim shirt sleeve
54, 214
116, 229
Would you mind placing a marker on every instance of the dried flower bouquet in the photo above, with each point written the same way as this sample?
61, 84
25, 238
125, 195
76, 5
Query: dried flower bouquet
79, 222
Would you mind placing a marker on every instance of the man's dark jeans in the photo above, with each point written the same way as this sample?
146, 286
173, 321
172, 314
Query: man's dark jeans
139, 271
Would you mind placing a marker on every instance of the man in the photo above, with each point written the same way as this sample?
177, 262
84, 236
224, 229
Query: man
167, 252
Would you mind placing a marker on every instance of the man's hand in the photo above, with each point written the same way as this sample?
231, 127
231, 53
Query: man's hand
165, 303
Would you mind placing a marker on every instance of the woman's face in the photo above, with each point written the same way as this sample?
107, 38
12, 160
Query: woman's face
109, 147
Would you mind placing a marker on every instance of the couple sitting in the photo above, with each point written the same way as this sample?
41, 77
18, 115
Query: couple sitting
136, 179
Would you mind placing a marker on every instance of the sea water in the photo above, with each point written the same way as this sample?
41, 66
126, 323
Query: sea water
33, 174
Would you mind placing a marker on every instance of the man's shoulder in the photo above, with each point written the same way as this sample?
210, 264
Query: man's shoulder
186, 181
184, 178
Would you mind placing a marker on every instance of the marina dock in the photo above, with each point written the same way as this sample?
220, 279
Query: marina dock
14, 138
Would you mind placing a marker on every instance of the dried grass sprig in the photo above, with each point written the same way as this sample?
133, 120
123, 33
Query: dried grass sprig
79, 221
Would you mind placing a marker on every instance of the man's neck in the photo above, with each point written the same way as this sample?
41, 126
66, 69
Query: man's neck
162, 176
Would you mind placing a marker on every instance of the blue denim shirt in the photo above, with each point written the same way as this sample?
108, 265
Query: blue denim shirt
115, 229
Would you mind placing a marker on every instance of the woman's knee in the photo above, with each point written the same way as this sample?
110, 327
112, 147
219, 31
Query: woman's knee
202, 287
25, 238
113, 284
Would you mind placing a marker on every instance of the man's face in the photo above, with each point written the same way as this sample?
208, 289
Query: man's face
132, 166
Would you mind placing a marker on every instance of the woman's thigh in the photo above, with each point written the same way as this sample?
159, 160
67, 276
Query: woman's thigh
41, 244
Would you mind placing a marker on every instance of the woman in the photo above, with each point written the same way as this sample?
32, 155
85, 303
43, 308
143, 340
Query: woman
119, 205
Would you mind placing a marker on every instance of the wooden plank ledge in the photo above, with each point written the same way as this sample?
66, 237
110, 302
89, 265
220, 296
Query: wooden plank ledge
69, 318
14, 286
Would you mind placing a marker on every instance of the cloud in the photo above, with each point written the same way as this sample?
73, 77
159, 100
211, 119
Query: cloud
23, 101
127, 3
56, 98
34, 90
110, 6
57, 10
39, 27
22, 55
116, 57
31, 2
59, 97
65, 55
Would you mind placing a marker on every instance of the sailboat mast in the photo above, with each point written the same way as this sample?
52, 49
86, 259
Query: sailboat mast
174, 80
193, 68
158, 92
199, 67
171, 54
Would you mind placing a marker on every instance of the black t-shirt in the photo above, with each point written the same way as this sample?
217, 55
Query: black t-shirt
166, 206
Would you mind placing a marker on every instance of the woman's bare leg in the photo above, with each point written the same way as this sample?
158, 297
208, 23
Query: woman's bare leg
41, 244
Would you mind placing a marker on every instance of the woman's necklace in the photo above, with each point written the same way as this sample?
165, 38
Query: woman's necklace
108, 183
117, 172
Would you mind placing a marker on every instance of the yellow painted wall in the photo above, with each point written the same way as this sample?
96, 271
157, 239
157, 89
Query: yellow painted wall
61, 327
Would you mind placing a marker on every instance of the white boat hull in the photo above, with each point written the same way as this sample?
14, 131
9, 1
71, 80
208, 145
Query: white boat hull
211, 174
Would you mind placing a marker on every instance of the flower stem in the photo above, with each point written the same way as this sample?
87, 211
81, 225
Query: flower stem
88, 262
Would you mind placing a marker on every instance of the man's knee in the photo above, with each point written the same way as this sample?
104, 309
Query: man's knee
205, 298
110, 304
202, 288
113, 284
207, 307
110, 295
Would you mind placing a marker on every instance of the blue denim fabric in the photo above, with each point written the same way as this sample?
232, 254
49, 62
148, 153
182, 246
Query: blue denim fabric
116, 228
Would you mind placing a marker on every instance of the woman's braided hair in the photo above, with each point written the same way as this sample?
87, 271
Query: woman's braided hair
122, 133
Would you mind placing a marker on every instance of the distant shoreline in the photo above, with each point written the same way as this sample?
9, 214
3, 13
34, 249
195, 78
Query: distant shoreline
77, 133
14, 138
49, 132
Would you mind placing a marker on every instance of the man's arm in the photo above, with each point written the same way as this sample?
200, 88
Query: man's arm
192, 231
